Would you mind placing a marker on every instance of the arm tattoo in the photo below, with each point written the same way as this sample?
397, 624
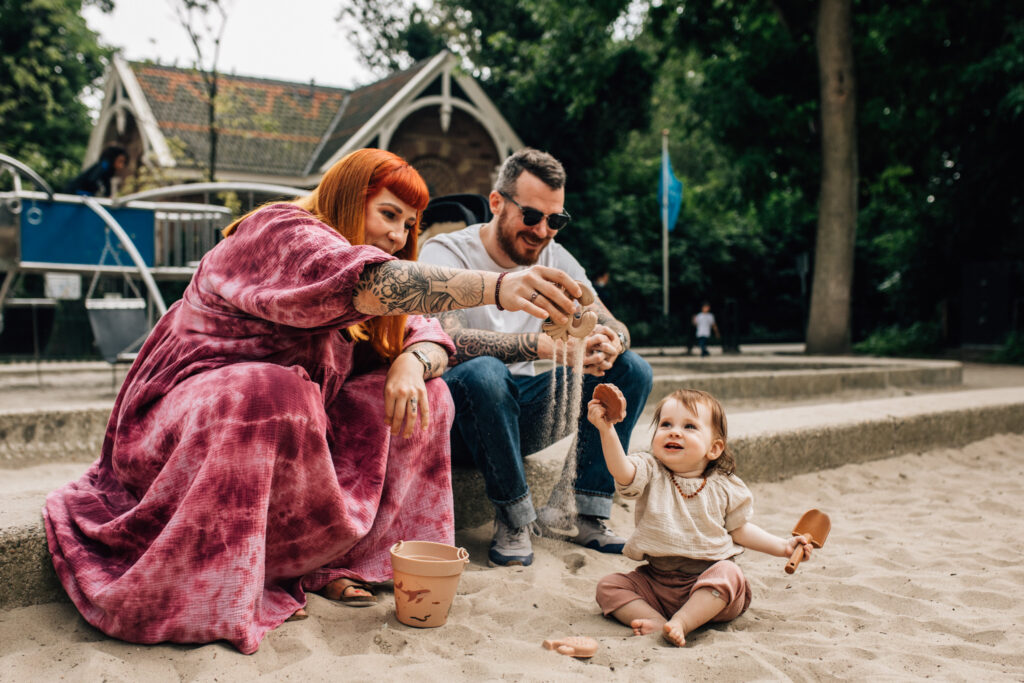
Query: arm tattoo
472, 343
604, 317
396, 287
437, 354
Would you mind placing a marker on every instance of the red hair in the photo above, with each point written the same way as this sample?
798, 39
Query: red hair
340, 201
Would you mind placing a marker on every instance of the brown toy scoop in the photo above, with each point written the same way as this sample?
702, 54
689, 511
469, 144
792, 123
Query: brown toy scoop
574, 646
815, 525
613, 401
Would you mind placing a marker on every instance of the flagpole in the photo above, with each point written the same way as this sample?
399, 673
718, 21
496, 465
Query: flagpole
664, 220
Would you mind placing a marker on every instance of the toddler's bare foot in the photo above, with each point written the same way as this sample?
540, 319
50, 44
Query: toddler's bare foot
641, 627
673, 632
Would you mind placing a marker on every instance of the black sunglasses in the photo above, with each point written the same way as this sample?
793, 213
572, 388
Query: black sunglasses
531, 216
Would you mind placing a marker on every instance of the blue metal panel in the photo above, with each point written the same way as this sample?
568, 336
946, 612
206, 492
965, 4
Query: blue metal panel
70, 233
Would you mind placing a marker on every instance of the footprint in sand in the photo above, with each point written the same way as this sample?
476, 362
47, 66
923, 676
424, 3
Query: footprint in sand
574, 562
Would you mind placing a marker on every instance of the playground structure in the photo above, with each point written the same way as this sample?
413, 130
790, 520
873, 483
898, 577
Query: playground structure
132, 237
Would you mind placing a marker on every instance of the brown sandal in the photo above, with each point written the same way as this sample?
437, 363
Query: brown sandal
345, 589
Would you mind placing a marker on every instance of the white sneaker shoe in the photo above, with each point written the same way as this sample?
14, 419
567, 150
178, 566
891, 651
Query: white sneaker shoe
510, 547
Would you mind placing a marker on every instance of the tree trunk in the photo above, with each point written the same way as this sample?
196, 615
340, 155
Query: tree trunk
828, 326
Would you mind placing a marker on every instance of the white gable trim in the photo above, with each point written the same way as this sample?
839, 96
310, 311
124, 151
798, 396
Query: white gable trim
124, 94
379, 120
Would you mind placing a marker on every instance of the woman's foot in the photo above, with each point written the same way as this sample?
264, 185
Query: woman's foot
299, 615
673, 633
641, 627
350, 592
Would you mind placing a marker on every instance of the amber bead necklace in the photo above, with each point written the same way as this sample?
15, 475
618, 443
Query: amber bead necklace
700, 488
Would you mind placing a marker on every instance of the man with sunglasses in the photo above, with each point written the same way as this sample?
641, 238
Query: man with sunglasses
502, 406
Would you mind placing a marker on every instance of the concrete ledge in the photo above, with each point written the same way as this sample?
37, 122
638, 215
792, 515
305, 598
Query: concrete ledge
797, 384
770, 445
33, 437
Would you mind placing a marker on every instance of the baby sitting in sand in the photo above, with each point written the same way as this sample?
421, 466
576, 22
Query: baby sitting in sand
692, 517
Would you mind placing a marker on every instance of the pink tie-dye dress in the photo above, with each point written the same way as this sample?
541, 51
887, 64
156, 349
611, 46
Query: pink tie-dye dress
246, 459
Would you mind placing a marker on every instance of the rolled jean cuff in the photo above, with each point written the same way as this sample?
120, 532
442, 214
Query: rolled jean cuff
517, 514
593, 505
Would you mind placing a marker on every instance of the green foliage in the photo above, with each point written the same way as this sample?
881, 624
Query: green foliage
940, 98
48, 59
1012, 351
916, 339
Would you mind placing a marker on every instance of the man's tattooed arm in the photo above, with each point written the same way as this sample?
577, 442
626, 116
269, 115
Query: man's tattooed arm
604, 317
396, 287
471, 343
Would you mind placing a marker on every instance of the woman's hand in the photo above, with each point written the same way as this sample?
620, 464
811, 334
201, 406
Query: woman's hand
540, 291
405, 396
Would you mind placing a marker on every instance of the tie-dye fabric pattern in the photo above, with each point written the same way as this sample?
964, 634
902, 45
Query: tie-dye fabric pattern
246, 460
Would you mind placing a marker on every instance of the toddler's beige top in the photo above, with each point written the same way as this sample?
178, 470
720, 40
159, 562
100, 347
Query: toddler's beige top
669, 525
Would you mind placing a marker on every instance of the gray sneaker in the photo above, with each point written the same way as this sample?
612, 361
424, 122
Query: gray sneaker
595, 535
510, 547
585, 530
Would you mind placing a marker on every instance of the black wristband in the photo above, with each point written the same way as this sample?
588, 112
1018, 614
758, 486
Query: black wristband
497, 292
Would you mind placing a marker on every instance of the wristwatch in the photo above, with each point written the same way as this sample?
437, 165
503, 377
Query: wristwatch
423, 358
622, 340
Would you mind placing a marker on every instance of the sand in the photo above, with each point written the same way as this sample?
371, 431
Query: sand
921, 577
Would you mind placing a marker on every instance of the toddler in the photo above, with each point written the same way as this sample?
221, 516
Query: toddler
692, 518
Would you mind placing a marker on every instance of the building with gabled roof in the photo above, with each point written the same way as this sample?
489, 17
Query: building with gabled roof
279, 132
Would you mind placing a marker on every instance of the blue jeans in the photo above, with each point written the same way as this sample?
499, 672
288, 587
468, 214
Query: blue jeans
500, 418
702, 342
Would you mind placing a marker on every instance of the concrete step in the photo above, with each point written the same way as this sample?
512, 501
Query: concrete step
769, 444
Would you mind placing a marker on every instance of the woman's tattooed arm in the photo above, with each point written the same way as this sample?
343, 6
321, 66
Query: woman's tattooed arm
396, 287
436, 354
471, 343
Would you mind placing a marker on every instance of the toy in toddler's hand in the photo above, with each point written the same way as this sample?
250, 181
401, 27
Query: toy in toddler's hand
580, 323
613, 401
574, 646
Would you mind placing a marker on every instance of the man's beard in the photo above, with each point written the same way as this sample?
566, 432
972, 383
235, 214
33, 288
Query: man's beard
507, 242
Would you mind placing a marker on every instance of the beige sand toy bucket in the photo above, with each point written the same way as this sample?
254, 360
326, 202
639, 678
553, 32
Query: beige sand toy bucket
426, 576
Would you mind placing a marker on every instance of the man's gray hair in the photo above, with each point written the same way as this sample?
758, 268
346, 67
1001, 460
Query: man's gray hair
541, 164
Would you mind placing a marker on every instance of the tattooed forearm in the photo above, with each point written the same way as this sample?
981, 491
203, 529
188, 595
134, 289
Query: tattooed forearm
506, 347
472, 343
397, 287
436, 354
604, 317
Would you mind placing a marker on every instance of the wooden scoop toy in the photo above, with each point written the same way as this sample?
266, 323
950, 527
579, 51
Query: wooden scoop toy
815, 525
580, 323
613, 401
574, 646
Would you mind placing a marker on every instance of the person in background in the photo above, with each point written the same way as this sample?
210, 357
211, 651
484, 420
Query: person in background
97, 179
705, 324
502, 406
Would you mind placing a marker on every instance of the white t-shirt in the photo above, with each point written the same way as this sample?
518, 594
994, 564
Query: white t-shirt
464, 249
670, 525
704, 321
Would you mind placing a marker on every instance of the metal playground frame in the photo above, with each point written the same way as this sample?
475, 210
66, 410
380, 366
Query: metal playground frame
144, 241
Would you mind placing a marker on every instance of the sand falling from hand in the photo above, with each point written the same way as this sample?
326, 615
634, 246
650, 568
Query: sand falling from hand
565, 393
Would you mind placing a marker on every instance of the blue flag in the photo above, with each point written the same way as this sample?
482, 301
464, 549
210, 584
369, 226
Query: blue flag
674, 198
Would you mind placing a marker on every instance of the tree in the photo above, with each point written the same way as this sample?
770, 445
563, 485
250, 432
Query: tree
48, 59
206, 42
828, 327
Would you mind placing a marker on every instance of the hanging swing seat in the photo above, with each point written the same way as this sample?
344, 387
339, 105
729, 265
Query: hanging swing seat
119, 326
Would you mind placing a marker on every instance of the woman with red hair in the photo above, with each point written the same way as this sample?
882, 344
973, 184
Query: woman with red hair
283, 425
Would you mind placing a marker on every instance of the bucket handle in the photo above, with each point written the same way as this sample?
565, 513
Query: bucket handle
461, 553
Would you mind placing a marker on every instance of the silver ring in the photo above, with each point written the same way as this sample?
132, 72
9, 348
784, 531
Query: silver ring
533, 297
413, 400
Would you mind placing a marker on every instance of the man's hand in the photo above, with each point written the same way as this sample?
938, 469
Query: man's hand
603, 348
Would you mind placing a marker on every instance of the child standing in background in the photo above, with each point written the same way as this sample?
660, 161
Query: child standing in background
705, 324
692, 518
